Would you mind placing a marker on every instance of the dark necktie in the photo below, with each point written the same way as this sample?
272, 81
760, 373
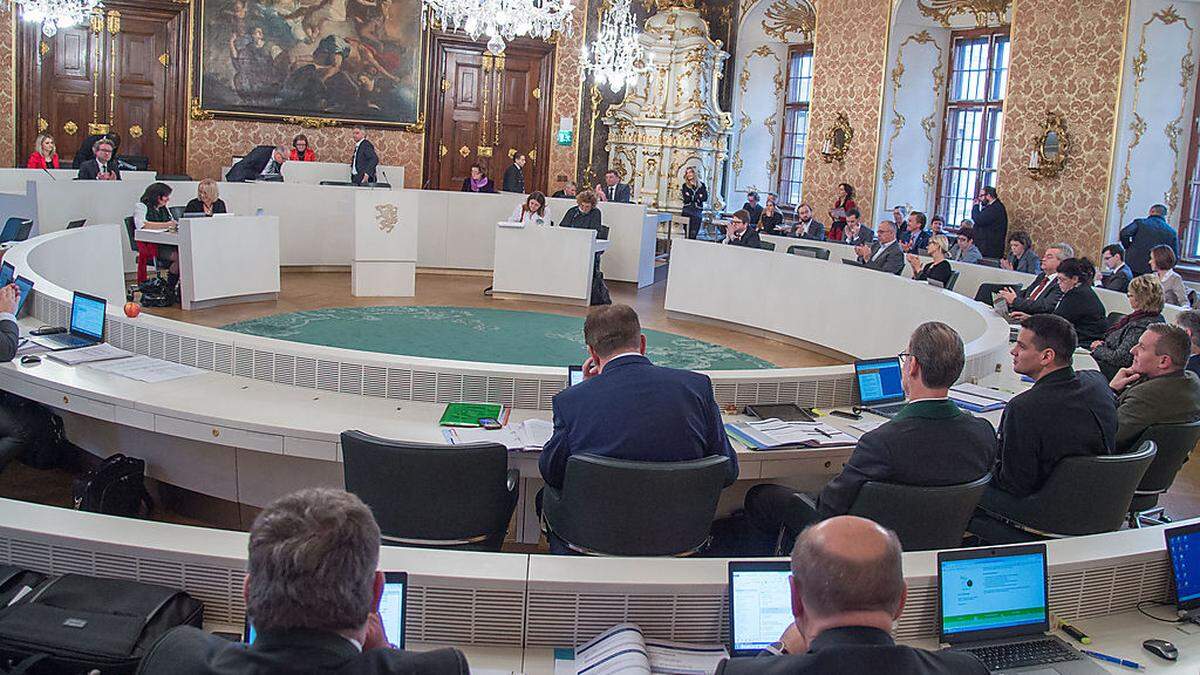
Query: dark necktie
1037, 290
612, 193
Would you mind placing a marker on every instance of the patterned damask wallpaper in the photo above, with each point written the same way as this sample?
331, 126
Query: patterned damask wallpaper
8, 94
568, 73
212, 143
1066, 58
847, 77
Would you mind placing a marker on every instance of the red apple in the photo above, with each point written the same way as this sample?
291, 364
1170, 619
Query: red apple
132, 309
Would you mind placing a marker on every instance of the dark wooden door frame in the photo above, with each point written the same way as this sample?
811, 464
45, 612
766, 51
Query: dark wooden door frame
434, 103
29, 74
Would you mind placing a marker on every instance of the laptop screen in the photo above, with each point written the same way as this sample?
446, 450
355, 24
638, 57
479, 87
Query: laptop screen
391, 609
87, 316
760, 604
574, 375
879, 381
987, 593
1183, 545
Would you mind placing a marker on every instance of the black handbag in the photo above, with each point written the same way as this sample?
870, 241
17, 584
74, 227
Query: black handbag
117, 487
76, 624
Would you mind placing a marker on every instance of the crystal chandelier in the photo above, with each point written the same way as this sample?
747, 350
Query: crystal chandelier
616, 58
503, 20
55, 14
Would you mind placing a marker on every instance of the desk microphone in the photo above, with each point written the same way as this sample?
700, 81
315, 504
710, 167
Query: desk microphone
48, 173
385, 178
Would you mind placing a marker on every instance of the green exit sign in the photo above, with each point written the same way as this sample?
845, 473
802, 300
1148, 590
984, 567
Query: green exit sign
566, 136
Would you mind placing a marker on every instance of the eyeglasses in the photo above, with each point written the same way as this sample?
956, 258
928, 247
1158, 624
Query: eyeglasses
903, 356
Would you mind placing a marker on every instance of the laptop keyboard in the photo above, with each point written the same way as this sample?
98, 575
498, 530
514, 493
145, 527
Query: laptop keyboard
1021, 654
887, 410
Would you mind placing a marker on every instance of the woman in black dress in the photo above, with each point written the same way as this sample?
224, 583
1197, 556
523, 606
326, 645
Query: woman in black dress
695, 194
939, 269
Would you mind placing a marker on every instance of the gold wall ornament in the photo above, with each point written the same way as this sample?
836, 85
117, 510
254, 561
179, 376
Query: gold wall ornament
1051, 148
484, 151
114, 22
43, 48
165, 59
464, 152
98, 128
986, 12
42, 124
417, 127
70, 128
162, 133
311, 122
135, 131
387, 217
788, 17
837, 140
442, 150
197, 113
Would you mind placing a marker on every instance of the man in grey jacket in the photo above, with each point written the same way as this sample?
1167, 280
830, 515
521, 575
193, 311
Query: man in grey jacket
885, 255
1157, 388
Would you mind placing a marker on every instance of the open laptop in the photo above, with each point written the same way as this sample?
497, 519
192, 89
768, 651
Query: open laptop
879, 388
1183, 547
87, 325
994, 603
760, 604
392, 606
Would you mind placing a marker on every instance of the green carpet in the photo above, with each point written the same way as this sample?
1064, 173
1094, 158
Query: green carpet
468, 334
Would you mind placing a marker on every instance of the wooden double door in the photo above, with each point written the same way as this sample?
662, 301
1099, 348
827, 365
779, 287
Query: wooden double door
123, 71
486, 108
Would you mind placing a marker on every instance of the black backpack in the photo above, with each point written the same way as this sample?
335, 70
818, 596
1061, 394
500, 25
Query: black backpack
34, 433
117, 487
75, 624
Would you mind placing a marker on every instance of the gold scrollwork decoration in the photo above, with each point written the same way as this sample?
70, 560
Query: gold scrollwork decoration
837, 140
311, 122
43, 49
70, 128
1052, 148
114, 22
484, 151
417, 127
986, 12
135, 131
161, 132
198, 113
896, 76
788, 17
42, 124
464, 152
442, 150
98, 128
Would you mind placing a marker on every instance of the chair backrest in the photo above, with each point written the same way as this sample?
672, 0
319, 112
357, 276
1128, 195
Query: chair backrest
131, 229
1175, 442
11, 227
428, 493
1086, 495
924, 518
1112, 319
23, 230
767, 245
950, 283
622, 507
809, 252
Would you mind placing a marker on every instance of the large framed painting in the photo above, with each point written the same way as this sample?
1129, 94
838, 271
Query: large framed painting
335, 60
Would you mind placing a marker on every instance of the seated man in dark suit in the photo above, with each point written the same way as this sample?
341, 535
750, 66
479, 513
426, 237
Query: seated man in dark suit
614, 190
103, 166
1157, 388
1064, 414
312, 593
1041, 296
856, 233
915, 237
1116, 274
365, 159
808, 227
884, 254
739, 232
629, 408
929, 442
848, 591
265, 160
1189, 321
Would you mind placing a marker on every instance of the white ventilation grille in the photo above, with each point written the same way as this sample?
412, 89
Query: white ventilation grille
374, 381
187, 351
449, 387
399, 384
327, 375
285, 369
352, 375
919, 619
306, 372
465, 616
556, 619
171, 348
264, 363
156, 349
424, 386
223, 358
243, 365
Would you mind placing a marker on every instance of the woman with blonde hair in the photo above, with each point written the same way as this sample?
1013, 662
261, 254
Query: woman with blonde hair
44, 155
208, 199
694, 194
939, 268
1146, 298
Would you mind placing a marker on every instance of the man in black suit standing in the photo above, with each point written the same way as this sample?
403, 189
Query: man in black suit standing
365, 160
847, 592
929, 442
514, 175
103, 166
1142, 235
991, 223
312, 593
265, 160
629, 408
613, 189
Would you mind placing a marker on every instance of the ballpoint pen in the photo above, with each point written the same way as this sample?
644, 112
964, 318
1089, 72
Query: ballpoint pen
1112, 659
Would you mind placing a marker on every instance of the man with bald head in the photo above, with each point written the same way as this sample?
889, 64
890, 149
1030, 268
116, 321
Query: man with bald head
883, 255
848, 591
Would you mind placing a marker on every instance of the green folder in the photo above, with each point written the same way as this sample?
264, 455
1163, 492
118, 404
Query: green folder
469, 414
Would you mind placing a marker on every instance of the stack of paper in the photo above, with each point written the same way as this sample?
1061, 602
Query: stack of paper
528, 436
979, 399
623, 649
770, 434
146, 369
97, 352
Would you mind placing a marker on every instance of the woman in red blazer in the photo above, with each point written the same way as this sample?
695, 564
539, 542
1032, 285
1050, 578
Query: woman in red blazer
300, 150
837, 214
44, 156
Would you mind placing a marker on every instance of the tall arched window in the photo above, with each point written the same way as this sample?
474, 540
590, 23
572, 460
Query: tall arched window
795, 124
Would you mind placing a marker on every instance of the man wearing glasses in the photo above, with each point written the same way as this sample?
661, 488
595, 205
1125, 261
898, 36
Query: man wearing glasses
930, 442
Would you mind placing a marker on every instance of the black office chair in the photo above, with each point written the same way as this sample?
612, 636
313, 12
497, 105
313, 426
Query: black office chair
181, 177
620, 507
434, 496
1083, 495
23, 230
952, 281
809, 252
1175, 443
12, 229
767, 245
924, 518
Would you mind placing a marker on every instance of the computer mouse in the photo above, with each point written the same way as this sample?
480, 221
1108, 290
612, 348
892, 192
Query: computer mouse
1161, 648
30, 359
